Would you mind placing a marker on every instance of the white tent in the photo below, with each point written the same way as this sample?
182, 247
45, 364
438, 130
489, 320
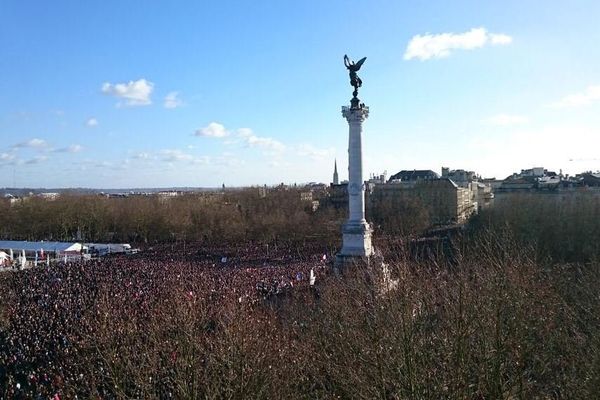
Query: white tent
3, 258
52, 250
32, 247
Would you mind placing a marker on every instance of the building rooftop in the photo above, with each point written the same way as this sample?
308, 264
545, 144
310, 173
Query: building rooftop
18, 245
414, 175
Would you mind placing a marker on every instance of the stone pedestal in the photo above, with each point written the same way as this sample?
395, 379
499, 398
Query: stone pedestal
356, 232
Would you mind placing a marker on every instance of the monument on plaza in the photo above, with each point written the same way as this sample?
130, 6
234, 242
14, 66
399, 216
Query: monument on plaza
356, 232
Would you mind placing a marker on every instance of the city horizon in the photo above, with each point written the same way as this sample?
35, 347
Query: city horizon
273, 184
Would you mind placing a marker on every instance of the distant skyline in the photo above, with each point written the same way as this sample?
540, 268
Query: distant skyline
171, 94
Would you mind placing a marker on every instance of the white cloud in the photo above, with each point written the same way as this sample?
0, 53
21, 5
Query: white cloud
589, 95
506, 119
6, 158
245, 132
169, 157
500, 38
91, 122
172, 101
172, 155
33, 144
214, 129
36, 160
204, 160
142, 156
244, 135
424, 47
36, 143
228, 160
135, 93
74, 148
307, 150
263, 142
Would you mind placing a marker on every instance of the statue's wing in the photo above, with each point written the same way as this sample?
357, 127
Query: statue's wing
360, 62
346, 60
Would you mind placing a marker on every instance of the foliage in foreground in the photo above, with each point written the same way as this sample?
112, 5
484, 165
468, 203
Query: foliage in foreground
494, 325
558, 227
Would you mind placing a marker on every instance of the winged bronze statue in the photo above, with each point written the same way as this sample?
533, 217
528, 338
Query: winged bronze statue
353, 68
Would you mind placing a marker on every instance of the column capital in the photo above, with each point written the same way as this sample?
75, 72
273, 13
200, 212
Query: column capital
355, 114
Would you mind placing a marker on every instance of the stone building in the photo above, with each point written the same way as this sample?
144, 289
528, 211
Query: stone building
461, 177
482, 195
589, 179
306, 195
446, 202
481, 190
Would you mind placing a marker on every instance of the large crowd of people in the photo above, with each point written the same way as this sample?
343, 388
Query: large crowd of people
52, 317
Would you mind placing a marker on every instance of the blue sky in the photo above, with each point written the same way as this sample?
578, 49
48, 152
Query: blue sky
117, 94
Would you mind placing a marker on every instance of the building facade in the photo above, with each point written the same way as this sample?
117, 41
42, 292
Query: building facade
445, 201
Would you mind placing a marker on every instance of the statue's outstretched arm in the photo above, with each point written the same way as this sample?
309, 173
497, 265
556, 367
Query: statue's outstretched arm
346, 61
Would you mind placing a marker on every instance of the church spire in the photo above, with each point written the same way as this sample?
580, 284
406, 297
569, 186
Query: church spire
335, 173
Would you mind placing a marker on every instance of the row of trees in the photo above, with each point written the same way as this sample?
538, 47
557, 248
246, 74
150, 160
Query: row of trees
229, 216
558, 228
402, 217
232, 216
564, 228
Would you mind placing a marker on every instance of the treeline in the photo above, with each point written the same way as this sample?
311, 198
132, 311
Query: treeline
230, 216
557, 228
241, 215
402, 217
560, 228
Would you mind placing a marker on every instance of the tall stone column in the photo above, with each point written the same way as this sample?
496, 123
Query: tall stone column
356, 231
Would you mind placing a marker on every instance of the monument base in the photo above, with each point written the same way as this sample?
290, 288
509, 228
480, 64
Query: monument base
356, 247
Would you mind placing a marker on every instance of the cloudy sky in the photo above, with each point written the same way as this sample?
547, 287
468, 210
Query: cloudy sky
116, 94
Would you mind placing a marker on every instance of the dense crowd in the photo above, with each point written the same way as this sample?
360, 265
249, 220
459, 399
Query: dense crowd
52, 318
